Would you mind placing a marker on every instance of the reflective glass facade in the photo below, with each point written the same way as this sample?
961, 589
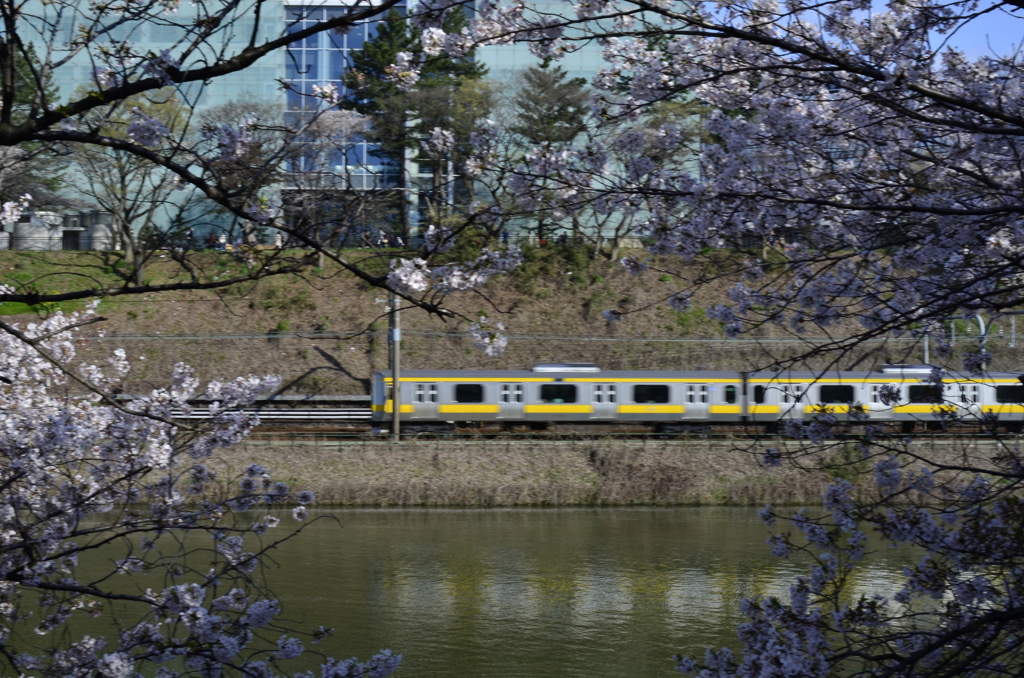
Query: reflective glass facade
259, 81
321, 60
505, 61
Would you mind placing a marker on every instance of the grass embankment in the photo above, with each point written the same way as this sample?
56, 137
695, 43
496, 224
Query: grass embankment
324, 333
559, 473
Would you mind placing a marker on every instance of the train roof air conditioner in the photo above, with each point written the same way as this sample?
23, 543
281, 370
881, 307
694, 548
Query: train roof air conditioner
566, 367
907, 369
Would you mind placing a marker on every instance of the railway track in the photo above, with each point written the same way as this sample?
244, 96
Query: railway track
346, 414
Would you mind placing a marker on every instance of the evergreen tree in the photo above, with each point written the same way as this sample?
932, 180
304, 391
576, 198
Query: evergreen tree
549, 106
33, 167
441, 78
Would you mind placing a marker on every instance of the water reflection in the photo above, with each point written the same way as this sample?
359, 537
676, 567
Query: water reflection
556, 592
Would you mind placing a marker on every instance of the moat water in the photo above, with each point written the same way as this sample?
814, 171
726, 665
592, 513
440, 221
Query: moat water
534, 593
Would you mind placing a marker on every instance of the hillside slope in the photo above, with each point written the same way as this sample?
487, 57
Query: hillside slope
327, 333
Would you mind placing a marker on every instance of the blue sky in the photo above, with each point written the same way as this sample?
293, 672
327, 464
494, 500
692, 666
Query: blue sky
998, 32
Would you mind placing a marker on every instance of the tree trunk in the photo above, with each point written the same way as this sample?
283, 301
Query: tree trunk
132, 260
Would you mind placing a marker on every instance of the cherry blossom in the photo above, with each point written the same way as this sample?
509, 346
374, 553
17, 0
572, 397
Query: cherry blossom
12, 210
329, 93
145, 130
488, 337
71, 455
405, 72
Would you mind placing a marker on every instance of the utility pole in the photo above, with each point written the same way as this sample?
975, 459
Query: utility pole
395, 344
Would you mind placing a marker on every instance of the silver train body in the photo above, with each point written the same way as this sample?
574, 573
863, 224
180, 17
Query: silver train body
583, 394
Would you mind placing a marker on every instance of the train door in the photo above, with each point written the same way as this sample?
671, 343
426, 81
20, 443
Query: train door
605, 401
510, 401
696, 401
970, 397
877, 409
792, 397
424, 401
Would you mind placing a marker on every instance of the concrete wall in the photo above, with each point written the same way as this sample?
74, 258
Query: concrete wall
45, 231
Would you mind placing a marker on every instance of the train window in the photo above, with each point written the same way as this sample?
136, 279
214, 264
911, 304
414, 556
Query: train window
730, 394
925, 393
792, 393
968, 393
604, 393
759, 394
650, 393
835, 393
511, 393
610, 391
696, 393
558, 393
425, 393
1010, 394
469, 393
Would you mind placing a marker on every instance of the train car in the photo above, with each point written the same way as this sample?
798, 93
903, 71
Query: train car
562, 393
583, 395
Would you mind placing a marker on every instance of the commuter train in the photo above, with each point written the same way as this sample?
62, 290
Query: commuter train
582, 396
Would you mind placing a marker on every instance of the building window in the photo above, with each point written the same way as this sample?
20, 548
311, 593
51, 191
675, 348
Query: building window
322, 59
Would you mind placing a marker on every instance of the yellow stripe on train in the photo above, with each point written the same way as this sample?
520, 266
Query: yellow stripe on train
468, 409
763, 409
923, 409
557, 409
389, 407
652, 409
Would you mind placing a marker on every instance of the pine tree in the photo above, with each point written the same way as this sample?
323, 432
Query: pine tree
550, 107
372, 94
31, 168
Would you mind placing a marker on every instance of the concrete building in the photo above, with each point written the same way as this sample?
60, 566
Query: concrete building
49, 231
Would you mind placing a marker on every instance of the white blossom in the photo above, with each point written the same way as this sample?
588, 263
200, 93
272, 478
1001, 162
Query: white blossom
433, 41
405, 72
13, 209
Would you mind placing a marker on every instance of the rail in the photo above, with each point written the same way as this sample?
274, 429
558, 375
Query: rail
318, 414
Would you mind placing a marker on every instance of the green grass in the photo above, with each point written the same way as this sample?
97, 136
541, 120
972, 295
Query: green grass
19, 308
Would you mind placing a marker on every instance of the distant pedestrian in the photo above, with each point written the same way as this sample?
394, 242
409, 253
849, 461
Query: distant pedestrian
190, 235
504, 237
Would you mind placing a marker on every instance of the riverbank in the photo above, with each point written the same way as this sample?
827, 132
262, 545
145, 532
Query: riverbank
484, 473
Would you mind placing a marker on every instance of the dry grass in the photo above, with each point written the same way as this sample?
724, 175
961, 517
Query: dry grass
542, 299
563, 473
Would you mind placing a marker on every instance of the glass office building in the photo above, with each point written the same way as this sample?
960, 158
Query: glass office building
317, 60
